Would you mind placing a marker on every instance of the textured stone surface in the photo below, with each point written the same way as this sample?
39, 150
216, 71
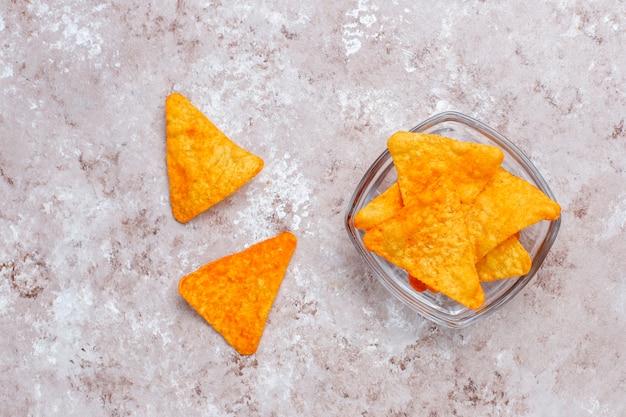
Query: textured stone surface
90, 255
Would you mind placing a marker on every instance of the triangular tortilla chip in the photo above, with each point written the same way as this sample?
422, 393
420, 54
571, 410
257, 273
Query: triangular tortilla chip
416, 284
234, 294
419, 286
380, 208
507, 260
422, 158
506, 205
204, 166
429, 240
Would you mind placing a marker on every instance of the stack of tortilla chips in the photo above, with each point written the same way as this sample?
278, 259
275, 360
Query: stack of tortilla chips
453, 218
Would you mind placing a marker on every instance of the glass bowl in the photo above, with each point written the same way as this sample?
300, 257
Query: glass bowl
537, 239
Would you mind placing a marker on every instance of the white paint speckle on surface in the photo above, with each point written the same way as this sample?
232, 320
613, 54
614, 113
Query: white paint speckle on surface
6, 71
615, 224
352, 45
358, 27
285, 197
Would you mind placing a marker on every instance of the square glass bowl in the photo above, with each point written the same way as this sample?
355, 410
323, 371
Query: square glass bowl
537, 239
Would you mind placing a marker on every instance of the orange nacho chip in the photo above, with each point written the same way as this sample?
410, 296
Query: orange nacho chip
234, 294
416, 284
507, 260
419, 286
203, 164
506, 205
429, 240
451, 194
380, 208
421, 159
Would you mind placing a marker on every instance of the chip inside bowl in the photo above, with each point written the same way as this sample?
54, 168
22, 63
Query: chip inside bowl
506, 205
452, 218
507, 260
390, 223
429, 240
420, 159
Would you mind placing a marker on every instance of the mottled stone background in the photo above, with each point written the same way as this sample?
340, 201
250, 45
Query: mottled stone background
91, 323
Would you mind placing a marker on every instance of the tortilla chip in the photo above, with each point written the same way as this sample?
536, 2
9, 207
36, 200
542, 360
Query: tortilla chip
234, 294
507, 260
429, 240
379, 209
416, 284
506, 205
422, 158
204, 166
419, 286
